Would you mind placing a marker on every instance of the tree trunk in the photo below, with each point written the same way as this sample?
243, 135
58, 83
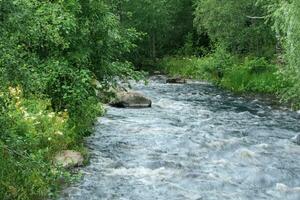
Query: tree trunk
153, 46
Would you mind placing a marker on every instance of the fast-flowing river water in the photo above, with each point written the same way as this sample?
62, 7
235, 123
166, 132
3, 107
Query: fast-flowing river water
197, 142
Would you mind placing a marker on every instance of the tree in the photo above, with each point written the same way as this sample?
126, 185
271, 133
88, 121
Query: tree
50, 52
238, 25
165, 23
62, 42
285, 16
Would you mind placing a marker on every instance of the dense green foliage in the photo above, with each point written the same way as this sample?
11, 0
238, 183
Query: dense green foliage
236, 26
235, 74
286, 18
165, 24
52, 53
253, 35
31, 134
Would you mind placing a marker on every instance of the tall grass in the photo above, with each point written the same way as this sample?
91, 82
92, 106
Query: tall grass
227, 71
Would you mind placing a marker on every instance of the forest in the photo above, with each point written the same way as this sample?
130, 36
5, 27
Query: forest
53, 51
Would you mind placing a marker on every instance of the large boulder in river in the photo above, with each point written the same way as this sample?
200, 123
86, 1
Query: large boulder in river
69, 159
176, 80
131, 100
296, 139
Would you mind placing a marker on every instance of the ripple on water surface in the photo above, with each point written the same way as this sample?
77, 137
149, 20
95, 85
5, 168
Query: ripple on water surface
196, 143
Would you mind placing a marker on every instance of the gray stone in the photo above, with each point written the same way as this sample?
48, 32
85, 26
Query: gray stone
131, 100
69, 159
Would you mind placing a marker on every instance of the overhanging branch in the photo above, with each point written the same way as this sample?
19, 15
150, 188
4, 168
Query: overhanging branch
255, 17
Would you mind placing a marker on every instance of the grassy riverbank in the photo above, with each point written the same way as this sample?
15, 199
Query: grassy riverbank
239, 75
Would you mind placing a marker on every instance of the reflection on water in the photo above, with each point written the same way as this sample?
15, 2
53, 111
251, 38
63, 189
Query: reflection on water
196, 143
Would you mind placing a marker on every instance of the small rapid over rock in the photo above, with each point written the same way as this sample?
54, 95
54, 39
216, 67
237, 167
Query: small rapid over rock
197, 142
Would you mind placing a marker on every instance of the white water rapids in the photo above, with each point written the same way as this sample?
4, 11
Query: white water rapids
197, 142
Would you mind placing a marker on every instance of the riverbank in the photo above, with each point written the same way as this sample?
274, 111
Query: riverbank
243, 76
32, 135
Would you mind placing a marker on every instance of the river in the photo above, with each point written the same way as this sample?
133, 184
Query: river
197, 142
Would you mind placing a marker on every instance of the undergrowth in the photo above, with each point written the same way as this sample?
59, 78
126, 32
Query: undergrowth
240, 75
31, 134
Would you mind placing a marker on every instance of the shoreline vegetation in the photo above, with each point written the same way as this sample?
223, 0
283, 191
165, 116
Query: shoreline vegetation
37, 134
244, 77
60, 59
51, 53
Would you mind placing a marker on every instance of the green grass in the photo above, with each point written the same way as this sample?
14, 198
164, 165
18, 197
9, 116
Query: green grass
187, 67
254, 75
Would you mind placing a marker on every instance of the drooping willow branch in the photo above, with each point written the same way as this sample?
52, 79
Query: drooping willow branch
255, 17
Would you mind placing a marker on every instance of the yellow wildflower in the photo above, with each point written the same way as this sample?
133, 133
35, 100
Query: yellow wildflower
59, 133
14, 91
51, 115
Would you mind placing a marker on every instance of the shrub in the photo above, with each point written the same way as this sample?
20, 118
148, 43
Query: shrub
219, 61
66, 86
211, 67
31, 134
51, 52
258, 65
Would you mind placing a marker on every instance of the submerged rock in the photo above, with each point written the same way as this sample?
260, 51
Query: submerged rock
69, 159
177, 80
296, 139
131, 100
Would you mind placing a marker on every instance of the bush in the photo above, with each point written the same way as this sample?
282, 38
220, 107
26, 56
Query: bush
51, 52
219, 61
180, 66
291, 90
82, 118
258, 65
31, 135
67, 87
240, 79
211, 67
252, 75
